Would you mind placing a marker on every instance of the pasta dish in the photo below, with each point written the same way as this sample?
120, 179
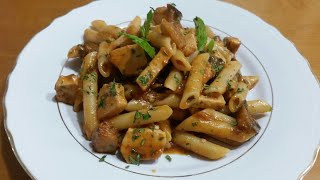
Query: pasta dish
156, 84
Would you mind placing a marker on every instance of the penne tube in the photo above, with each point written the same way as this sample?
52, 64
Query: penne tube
194, 83
258, 106
222, 81
149, 74
141, 117
90, 89
135, 105
134, 26
199, 146
215, 124
104, 65
173, 80
180, 62
210, 102
172, 100
251, 81
239, 97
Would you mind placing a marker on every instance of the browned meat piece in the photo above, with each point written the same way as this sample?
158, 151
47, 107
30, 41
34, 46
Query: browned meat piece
81, 50
174, 32
170, 13
232, 44
130, 60
111, 100
105, 138
245, 120
142, 144
66, 88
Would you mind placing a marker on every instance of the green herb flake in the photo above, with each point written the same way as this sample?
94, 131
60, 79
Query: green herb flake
201, 34
140, 130
194, 124
146, 116
234, 123
102, 103
206, 86
176, 79
112, 90
136, 160
173, 4
217, 68
146, 25
135, 137
137, 115
210, 45
168, 158
239, 90
144, 79
143, 43
102, 158
127, 167
229, 85
142, 142
202, 71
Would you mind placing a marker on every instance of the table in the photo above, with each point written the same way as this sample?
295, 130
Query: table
298, 20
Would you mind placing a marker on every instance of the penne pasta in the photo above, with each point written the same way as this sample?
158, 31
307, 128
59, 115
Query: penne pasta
239, 97
215, 124
172, 100
199, 146
210, 102
148, 75
222, 81
90, 89
180, 62
258, 106
141, 117
251, 81
194, 83
135, 105
173, 80
158, 40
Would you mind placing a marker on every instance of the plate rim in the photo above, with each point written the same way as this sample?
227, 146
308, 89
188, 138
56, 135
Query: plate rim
5, 119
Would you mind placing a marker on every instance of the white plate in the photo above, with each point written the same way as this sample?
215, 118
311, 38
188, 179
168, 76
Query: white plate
47, 139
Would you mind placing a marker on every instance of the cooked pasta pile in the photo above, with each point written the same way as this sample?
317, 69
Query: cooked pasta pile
148, 86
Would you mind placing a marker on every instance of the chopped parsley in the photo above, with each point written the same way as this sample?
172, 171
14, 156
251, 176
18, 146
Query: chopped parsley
217, 68
127, 167
202, 71
229, 85
146, 25
144, 79
146, 116
201, 34
206, 86
135, 137
102, 158
239, 90
234, 123
137, 115
136, 160
194, 124
112, 90
173, 4
102, 103
176, 79
168, 158
140, 130
142, 142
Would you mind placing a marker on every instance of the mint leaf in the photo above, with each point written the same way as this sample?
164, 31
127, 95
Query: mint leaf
142, 43
201, 34
146, 25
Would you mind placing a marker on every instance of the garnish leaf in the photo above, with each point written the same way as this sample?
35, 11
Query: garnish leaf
168, 158
210, 45
146, 25
201, 34
142, 43
112, 89
102, 158
146, 116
